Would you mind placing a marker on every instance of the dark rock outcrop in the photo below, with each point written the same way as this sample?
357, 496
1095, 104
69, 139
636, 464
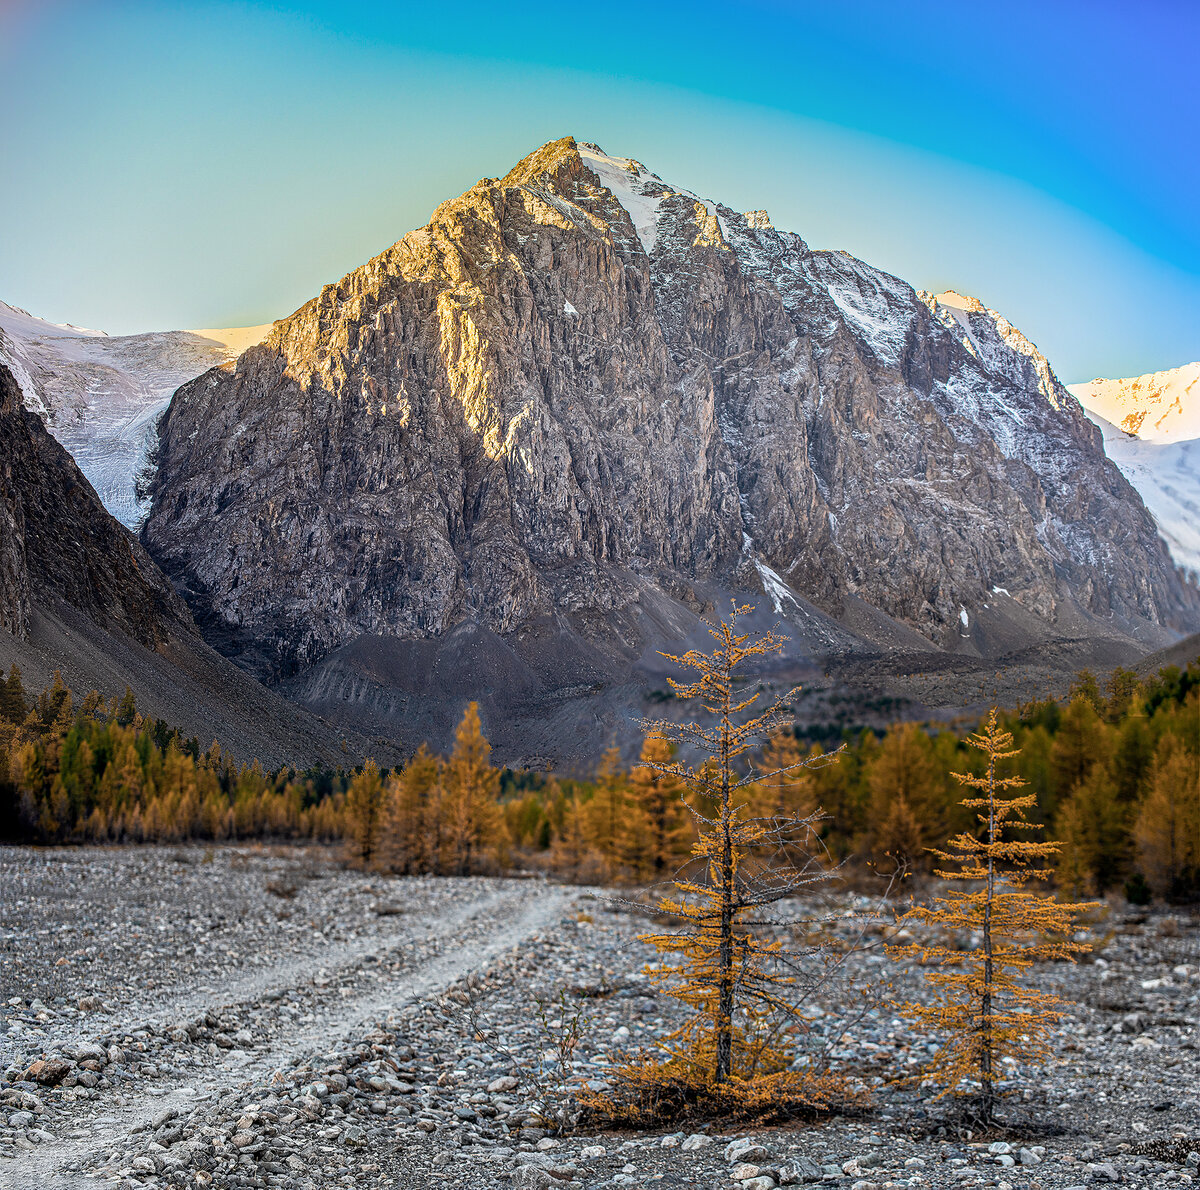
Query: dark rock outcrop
79, 594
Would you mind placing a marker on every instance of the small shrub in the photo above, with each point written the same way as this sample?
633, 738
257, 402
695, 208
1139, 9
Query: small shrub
1137, 891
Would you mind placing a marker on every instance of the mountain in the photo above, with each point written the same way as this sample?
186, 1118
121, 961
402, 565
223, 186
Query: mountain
519, 451
101, 395
1151, 428
79, 594
1157, 407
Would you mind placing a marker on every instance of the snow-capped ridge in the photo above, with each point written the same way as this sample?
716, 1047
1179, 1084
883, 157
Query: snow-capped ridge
1157, 407
101, 395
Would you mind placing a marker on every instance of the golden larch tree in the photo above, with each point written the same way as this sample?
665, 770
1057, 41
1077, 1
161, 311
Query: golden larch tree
606, 812
364, 813
728, 972
1167, 832
471, 822
983, 1010
660, 831
411, 838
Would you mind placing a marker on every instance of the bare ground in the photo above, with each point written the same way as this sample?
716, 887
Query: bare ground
258, 1018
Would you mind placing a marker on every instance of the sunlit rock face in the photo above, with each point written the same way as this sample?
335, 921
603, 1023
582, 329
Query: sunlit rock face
579, 383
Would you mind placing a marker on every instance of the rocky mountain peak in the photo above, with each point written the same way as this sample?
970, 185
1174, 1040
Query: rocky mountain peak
997, 344
543, 425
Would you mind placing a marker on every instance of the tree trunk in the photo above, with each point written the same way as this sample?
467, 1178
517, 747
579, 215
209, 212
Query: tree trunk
725, 985
987, 1102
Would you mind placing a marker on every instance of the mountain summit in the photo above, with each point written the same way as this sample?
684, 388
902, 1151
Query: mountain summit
537, 435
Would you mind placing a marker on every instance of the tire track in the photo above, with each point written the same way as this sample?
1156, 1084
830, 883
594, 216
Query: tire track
468, 941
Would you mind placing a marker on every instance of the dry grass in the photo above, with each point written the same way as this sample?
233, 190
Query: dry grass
653, 1094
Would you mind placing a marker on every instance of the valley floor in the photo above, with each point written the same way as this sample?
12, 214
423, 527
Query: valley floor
259, 1017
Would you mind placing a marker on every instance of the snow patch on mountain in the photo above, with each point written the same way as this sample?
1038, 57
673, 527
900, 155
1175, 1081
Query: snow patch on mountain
101, 395
1158, 407
638, 190
774, 587
1167, 477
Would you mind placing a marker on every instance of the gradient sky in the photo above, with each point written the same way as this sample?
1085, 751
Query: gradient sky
213, 164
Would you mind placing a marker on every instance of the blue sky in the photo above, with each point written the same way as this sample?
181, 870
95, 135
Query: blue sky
213, 164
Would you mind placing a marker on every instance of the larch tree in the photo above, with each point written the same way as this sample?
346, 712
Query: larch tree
983, 1010
1167, 831
607, 810
728, 971
660, 833
1092, 826
907, 790
411, 839
364, 813
472, 825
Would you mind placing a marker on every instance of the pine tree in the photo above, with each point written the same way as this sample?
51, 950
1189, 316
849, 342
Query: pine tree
126, 710
986, 1014
13, 705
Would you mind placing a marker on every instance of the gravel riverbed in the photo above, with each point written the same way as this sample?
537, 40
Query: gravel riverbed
259, 1017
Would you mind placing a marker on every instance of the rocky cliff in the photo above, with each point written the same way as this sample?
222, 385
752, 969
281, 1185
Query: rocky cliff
64, 546
580, 388
79, 594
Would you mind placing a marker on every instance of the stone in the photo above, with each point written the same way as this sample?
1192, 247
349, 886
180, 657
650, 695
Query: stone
799, 1171
744, 1151
697, 1140
530, 1177
50, 1072
743, 1172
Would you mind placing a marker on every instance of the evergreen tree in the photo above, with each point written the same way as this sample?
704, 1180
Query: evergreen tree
473, 827
987, 1015
13, 705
